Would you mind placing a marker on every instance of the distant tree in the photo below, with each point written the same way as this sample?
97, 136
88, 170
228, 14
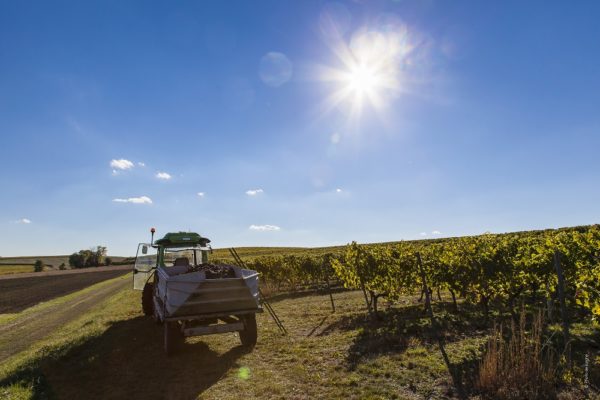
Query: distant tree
107, 261
93, 257
62, 266
38, 266
77, 260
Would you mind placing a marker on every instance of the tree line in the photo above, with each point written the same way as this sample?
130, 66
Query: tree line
94, 257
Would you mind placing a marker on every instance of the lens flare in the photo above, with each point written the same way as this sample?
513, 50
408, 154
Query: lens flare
244, 373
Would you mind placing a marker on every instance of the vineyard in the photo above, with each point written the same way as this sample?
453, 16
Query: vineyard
537, 283
492, 270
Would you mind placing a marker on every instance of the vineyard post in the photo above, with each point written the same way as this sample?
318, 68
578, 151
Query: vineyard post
426, 288
549, 302
434, 327
330, 294
325, 272
362, 283
563, 307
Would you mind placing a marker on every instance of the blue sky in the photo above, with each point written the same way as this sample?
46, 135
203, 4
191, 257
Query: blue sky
303, 123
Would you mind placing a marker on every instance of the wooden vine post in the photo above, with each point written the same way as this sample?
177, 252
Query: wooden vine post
428, 308
563, 307
330, 294
362, 283
456, 378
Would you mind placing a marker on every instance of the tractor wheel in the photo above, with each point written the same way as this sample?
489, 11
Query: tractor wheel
249, 335
173, 337
147, 299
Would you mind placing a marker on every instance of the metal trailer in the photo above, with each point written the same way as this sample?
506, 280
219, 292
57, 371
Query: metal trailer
190, 301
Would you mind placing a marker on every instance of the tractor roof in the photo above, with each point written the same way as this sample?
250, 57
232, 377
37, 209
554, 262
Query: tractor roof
182, 239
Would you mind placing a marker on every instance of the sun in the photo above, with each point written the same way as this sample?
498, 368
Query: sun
362, 79
369, 73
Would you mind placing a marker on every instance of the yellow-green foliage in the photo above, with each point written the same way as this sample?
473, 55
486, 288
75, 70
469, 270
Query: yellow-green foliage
15, 269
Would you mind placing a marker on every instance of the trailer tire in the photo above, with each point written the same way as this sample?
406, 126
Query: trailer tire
147, 300
173, 337
249, 335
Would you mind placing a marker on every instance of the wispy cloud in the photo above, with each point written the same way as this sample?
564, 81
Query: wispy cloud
22, 221
436, 233
141, 164
121, 164
163, 175
200, 194
338, 190
423, 233
254, 192
135, 200
264, 228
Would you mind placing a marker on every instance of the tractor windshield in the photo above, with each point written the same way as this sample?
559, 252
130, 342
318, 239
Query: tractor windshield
185, 256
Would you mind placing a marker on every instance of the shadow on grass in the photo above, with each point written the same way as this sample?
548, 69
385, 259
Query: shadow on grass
126, 361
399, 324
290, 295
395, 330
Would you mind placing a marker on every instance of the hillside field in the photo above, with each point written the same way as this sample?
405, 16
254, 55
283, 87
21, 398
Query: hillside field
23, 264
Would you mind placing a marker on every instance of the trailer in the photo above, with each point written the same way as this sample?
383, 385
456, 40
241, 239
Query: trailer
189, 296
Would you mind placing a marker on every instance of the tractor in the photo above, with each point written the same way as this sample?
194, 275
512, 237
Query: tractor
189, 296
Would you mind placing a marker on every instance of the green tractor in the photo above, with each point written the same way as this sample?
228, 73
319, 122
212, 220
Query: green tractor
190, 296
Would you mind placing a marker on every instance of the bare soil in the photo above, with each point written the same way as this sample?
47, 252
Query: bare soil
19, 334
18, 293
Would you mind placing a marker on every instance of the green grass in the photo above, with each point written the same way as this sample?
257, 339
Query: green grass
114, 351
15, 269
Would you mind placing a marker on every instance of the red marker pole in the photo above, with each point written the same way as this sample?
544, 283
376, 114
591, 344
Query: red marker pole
152, 230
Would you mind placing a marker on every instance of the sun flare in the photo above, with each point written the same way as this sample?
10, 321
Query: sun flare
369, 71
362, 79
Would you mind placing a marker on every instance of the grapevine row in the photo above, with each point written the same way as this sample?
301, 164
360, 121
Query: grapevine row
490, 269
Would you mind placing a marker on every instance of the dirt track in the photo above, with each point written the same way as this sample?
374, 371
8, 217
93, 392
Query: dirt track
18, 293
17, 335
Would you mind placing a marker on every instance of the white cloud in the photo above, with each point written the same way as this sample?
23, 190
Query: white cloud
335, 138
436, 233
423, 233
22, 221
141, 164
264, 228
121, 164
163, 175
135, 200
338, 190
254, 192
200, 194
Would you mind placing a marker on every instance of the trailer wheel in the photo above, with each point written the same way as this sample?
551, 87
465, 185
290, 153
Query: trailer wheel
173, 337
147, 301
249, 335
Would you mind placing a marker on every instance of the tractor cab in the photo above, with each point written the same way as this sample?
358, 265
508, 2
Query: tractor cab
176, 253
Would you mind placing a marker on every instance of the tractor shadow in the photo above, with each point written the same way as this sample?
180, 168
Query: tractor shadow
128, 361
